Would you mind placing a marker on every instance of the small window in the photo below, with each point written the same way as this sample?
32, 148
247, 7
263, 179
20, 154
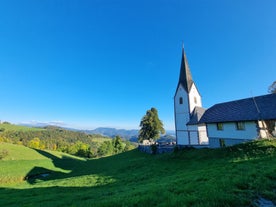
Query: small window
195, 100
240, 125
180, 100
221, 142
220, 126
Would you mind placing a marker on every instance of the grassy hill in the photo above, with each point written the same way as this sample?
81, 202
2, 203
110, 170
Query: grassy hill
234, 176
58, 139
13, 127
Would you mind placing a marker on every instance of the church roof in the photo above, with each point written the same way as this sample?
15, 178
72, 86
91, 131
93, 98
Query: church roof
185, 77
249, 109
196, 115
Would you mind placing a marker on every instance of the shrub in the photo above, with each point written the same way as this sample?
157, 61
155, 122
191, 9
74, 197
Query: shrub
3, 153
153, 148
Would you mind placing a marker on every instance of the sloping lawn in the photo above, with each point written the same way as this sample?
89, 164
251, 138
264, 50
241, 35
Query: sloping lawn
235, 176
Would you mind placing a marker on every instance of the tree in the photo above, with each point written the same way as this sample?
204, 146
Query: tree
272, 88
151, 126
34, 143
118, 145
105, 149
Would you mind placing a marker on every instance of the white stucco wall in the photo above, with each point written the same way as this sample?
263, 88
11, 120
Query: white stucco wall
186, 135
194, 97
182, 138
182, 114
230, 131
203, 138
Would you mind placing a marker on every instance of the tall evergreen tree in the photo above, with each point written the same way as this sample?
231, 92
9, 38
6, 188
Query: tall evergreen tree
151, 126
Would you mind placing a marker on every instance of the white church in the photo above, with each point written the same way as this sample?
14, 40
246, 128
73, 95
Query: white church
223, 124
188, 109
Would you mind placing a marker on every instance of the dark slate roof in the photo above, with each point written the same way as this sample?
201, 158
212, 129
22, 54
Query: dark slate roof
249, 109
185, 77
196, 115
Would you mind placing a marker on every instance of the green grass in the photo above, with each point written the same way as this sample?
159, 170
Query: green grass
12, 127
233, 176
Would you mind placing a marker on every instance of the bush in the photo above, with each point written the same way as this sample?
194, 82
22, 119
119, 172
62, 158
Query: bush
3, 153
153, 148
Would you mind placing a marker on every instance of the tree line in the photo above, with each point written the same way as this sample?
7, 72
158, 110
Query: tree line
71, 142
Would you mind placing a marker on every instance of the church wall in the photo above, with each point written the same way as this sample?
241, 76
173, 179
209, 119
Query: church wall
203, 137
194, 137
194, 97
181, 110
181, 120
229, 131
182, 137
216, 143
229, 135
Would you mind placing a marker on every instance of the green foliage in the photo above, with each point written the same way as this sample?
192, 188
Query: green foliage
105, 149
232, 176
151, 126
35, 143
6, 126
117, 145
3, 153
55, 138
153, 149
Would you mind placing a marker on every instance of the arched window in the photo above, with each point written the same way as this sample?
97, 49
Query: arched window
180, 100
195, 100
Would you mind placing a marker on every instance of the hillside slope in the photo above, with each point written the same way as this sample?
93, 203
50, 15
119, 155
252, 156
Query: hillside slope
59, 139
234, 176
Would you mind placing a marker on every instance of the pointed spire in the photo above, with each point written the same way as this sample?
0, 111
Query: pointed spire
185, 78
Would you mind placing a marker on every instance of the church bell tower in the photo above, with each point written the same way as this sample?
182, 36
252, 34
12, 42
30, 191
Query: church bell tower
187, 107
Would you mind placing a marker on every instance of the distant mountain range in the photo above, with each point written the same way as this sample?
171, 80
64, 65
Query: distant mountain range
131, 135
111, 132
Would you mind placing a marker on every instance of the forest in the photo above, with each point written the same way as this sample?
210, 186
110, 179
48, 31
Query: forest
59, 139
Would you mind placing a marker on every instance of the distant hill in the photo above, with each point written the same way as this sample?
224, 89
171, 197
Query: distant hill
54, 138
22, 128
131, 135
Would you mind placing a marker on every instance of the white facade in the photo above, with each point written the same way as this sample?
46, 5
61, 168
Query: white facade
230, 131
230, 135
184, 104
194, 98
182, 115
186, 99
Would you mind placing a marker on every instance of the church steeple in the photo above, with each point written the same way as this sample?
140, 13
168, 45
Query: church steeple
187, 107
185, 77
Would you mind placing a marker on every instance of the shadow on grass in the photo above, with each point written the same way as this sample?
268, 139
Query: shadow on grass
80, 182
69, 167
186, 178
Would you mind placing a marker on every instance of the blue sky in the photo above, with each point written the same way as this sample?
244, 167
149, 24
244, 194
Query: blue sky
87, 64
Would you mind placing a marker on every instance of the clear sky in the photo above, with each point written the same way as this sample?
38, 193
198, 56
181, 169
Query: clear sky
87, 64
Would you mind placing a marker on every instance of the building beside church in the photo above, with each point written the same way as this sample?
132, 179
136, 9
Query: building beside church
223, 124
242, 120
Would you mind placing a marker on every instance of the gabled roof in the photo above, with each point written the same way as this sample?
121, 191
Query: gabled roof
185, 77
196, 115
249, 109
